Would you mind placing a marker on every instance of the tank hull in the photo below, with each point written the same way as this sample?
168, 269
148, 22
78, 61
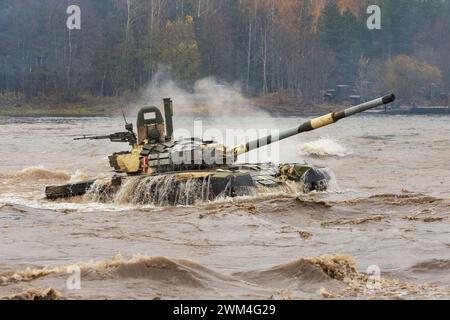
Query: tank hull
188, 187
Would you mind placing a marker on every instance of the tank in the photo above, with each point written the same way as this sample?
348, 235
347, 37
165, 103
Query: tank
163, 171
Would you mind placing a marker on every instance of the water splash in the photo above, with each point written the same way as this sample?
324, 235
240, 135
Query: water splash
324, 147
160, 191
79, 176
173, 190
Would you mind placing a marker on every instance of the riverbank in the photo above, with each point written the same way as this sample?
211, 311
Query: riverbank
273, 105
111, 106
53, 107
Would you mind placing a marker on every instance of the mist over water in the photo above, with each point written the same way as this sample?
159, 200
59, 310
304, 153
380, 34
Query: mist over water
390, 208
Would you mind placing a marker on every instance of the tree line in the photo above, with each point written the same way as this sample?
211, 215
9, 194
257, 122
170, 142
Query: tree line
299, 47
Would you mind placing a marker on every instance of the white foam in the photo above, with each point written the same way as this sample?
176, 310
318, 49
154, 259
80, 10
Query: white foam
324, 147
11, 199
79, 176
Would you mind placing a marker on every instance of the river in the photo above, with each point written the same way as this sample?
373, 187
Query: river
382, 230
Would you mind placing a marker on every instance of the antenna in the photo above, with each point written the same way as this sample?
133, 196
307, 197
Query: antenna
128, 126
123, 114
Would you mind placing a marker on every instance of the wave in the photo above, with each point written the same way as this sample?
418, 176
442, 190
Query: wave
323, 147
349, 221
394, 199
187, 272
40, 173
176, 271
304, 272
35, 294
328, 276
433, 265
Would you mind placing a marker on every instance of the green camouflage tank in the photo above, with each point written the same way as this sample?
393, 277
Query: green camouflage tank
163, 171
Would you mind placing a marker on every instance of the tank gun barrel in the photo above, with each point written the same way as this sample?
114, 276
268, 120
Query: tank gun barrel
313, 124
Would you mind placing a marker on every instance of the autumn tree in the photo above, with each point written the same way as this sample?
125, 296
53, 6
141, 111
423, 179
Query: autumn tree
178, 49
408, 77
287, 47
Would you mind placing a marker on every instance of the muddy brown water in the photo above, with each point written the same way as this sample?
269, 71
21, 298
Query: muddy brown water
387, 213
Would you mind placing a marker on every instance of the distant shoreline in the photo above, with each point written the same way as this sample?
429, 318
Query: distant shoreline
81, 112
40, 113
106, 107
109, 107
53, 107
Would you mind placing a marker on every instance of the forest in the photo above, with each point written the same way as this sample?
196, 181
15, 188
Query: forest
287, 48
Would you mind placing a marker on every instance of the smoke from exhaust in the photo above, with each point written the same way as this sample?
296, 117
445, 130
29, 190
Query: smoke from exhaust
208, 98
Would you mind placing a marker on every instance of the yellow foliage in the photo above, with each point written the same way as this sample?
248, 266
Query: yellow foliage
189, 20
407, 76
288, 10
354, 6
178, 49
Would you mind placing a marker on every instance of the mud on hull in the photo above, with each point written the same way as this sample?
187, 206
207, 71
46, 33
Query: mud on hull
188, 187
